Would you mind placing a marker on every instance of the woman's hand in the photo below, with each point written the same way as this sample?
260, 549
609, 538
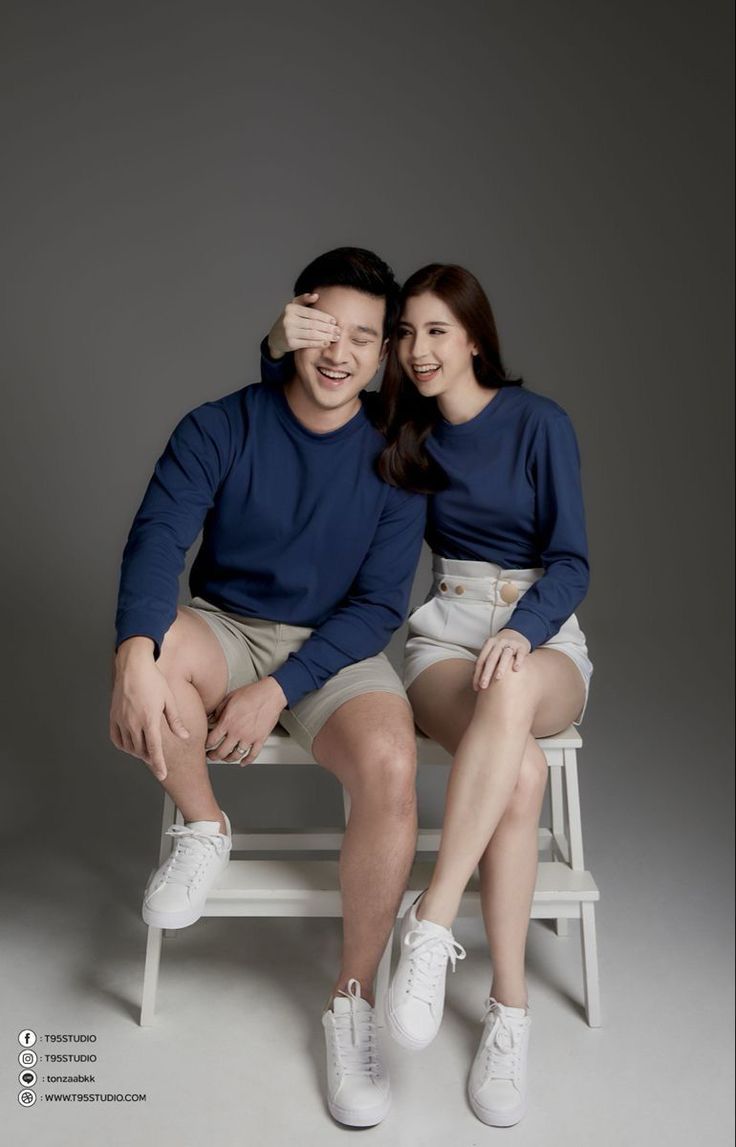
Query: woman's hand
300, 325
243, 720
508, 649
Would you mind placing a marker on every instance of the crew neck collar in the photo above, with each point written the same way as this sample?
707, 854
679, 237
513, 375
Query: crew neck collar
447, 429
290, 419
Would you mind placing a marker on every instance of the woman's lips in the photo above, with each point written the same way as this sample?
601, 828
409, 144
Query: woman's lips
425, 375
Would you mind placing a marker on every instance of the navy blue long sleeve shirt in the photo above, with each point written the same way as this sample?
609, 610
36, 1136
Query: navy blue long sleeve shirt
514, 498
297, 528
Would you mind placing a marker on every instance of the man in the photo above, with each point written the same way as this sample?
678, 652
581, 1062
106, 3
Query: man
304, 571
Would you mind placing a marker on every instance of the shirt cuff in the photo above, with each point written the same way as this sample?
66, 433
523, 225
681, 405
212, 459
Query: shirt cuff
295, 680
533, 627
137, 626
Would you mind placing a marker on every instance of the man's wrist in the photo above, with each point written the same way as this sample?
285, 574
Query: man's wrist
137, 648
278, 692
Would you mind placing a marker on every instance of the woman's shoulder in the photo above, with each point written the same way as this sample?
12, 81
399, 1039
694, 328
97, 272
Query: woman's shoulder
539, 409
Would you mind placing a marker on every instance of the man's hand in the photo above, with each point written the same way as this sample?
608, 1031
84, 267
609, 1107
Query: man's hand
243, 721
140, 698
300, 325
508, 649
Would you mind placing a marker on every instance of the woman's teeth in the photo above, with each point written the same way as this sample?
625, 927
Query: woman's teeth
426, 371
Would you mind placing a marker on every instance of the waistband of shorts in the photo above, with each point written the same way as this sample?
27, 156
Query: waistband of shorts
481, 581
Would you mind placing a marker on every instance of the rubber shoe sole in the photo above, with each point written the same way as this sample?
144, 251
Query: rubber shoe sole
496, 1118
401, 1037
364, 1118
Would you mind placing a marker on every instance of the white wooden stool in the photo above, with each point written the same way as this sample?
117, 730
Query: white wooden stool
291, 886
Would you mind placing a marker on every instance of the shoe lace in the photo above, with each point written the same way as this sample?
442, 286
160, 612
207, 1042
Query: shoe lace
502, 1044
355, 1036
428, 959
191, 850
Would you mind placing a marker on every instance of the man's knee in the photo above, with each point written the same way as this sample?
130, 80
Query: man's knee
383, 772
191, 653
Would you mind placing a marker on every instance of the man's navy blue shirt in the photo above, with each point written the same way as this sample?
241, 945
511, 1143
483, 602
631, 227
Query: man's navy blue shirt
297, 528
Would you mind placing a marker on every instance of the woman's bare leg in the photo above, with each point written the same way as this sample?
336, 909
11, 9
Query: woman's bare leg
508, 876
540, 699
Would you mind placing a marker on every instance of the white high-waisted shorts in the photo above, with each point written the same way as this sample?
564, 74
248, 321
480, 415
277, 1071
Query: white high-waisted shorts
470, 602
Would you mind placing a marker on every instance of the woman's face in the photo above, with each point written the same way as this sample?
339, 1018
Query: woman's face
434, 350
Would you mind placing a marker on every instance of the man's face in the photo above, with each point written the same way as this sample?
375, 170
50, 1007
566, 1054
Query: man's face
331, 377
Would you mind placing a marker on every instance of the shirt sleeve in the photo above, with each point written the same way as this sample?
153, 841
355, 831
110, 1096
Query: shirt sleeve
376, 605
548, 603
275, 370
172, 513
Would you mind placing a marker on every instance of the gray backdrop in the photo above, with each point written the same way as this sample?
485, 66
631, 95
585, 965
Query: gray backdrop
169, 167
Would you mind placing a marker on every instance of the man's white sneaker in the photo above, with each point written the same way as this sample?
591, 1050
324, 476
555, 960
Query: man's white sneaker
416, 997
176, 893
358, 1089
497, 1083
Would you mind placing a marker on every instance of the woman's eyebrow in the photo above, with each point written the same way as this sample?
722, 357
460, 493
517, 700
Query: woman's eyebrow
431, 323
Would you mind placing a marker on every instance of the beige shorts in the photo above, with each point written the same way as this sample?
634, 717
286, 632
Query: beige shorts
469, 603
254, 648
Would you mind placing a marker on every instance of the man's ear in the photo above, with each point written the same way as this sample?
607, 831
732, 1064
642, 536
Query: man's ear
384, 350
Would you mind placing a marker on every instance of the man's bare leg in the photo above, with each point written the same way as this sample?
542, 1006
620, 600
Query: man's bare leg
369, 743
194, 666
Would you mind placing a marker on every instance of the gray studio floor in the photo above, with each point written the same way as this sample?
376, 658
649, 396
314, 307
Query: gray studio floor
238, 997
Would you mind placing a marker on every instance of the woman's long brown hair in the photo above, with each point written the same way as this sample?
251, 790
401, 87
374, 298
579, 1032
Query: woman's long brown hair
407, 419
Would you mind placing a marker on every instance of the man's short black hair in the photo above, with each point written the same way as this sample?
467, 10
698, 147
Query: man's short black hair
357, 268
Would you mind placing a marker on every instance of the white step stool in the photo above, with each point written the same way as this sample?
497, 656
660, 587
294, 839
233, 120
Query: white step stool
297, 887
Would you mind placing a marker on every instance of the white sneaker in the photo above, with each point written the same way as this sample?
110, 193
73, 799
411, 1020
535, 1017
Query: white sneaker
416, 997
358, 1089
176, 893
497, 1085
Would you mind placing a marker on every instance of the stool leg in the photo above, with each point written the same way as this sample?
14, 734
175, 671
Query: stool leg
559, 835
155, 935
573, 810
150, 976
590, 965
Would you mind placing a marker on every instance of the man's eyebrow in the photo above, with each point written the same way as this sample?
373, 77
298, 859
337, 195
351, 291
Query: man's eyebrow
365, 330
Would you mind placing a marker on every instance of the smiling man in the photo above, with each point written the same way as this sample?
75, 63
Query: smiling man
304, 572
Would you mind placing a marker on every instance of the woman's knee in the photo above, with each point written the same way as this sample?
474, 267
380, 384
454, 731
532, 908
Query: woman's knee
511, 698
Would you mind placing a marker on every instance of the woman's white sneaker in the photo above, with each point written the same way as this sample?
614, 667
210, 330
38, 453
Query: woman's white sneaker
358, 1089
416, 996
497, 1087
176, 893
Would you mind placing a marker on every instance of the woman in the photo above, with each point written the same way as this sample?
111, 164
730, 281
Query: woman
495, 657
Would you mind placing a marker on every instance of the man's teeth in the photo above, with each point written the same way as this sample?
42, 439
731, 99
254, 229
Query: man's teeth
336, 374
